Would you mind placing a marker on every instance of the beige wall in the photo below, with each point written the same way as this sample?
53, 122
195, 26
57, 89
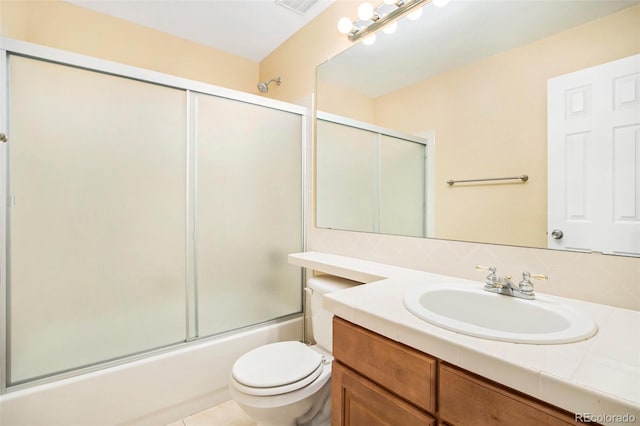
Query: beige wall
490, 119
581, 276
346, 103
65, 26
297, 58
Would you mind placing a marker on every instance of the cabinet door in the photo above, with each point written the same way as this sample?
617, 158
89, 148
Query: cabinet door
404, 371
469, 400
358, 402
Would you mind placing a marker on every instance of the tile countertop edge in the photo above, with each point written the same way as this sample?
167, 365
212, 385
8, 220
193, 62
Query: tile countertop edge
352, 269
559, 391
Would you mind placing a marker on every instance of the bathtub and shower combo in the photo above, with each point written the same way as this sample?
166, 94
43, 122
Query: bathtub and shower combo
144, 237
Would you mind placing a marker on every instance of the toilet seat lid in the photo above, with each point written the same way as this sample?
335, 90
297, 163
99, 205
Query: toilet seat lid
276, 364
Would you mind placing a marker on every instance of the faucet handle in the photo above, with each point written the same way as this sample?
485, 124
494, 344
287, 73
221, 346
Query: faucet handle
492, 279
526, 286
537, 276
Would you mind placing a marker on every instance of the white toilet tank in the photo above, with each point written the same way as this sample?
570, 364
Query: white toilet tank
321, 319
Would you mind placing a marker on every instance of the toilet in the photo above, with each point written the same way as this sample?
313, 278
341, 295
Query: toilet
288, 383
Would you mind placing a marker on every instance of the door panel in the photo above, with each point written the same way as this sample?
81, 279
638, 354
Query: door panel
97, 227
358, 402
594, 158
248, 214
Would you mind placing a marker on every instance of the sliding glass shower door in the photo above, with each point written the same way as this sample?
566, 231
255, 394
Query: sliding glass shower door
347, 177
249, 193
141, 216
97, 221
369, 178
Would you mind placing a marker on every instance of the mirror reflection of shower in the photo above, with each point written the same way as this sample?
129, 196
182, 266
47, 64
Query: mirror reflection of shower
263, 86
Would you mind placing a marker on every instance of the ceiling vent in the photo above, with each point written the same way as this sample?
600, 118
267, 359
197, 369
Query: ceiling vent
298, 6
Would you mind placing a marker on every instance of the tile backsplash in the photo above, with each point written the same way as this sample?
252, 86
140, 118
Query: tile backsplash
609, 280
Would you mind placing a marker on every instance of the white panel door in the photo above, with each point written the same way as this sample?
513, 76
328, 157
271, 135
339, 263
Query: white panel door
594, 159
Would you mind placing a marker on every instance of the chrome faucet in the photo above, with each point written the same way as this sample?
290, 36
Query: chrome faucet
492, 278
505, 286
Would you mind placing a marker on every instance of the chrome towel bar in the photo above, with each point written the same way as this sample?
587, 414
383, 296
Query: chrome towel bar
523, 178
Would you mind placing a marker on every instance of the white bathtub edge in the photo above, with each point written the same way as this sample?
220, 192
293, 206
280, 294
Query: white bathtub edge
151, 391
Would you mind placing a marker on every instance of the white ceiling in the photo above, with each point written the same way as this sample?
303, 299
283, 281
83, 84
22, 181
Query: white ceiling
248, 28
446, 38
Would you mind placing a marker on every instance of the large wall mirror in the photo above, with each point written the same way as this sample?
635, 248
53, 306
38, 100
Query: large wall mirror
488, 90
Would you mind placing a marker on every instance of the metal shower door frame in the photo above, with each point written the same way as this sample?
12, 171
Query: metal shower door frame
16, 47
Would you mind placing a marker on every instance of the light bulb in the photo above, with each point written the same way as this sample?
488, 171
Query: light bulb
440, 3
345, 25
369, 40
415, 15
365, 11
391, 28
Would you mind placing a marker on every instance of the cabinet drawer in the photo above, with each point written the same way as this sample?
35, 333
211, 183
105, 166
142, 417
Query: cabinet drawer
466, 399
404, 371
357, 401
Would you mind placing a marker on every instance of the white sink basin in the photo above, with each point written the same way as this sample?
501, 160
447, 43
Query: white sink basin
479, 313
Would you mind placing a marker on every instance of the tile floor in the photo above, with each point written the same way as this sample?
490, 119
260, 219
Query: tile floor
226, 414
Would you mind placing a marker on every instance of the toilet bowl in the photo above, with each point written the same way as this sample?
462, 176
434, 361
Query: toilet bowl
288, 383
282, 395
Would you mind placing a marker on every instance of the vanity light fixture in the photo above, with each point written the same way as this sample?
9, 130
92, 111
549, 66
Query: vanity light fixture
371, 19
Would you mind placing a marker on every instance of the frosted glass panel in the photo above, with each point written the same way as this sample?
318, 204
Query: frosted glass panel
347, 177
402, 187
249, 215
97, 231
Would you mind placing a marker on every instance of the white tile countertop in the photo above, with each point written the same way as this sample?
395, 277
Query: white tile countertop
599, 376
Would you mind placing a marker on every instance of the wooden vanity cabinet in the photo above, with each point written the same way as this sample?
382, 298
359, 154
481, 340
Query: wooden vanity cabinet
377, 381
402, 379
468, 399
357, 401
